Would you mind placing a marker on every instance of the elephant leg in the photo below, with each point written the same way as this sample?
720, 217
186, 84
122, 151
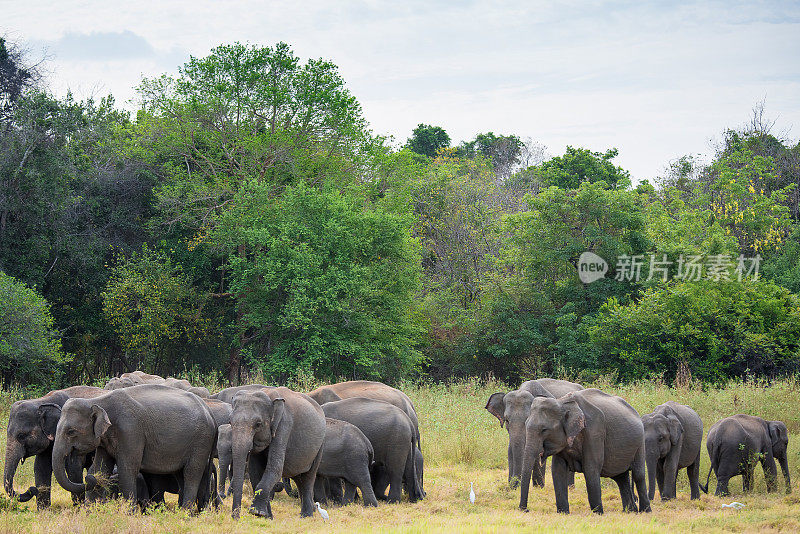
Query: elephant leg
724, 474
305, 487
570, 479
335, 490
770, 472
359, 476
623, 480
560, 478
43, 477
320, 493
255, 469
380, 481
693, 472
75, 474
638, 474
748, 474
128, 466
395, 485
593, 490
660, 477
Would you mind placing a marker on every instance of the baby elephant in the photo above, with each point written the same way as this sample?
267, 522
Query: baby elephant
346, 454
735, 444
673, 434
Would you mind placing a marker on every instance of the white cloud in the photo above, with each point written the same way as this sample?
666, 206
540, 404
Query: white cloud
654, 79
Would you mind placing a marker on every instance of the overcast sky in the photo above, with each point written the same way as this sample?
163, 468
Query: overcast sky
655, 79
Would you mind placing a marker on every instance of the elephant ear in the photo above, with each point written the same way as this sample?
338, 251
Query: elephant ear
278, 409
675, 427
775, 433
497, 406
100, 421
48, 415
574, 420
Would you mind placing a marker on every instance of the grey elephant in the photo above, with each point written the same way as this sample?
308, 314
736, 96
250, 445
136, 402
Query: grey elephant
31, 431
592, 432
347, 455
378, 391
737, 443
282, 432
152, 429
673, 438
220, 411
394, 442
512, 410
227, 394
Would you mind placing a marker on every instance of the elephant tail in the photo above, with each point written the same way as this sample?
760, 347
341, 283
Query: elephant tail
708, 477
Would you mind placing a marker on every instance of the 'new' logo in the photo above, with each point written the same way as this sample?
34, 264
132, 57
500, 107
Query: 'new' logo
591, 267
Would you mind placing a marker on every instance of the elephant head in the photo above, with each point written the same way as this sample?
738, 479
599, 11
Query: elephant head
31, 430
119, 383
512, 410
81, 429
779, 436
255, 420
663, 434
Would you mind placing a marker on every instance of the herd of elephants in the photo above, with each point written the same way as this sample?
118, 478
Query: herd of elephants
143, 436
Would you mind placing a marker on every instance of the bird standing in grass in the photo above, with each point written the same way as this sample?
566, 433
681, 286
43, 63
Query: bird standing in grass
322, 513
471, 494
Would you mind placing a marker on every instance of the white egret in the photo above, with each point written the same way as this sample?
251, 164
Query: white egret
323, 514
471, 494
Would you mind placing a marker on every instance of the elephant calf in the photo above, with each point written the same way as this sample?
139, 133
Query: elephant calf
346, 454
737, 443
673, 435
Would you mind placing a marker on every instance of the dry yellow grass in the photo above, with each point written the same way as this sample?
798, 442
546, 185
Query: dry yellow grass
462, 443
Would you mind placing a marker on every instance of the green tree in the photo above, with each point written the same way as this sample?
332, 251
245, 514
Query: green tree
326, 284
579, 165
30, 346
504, 151
155, 311
428, 140
719, 329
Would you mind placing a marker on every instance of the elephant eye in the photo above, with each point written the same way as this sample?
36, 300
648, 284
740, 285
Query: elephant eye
257, 424
22, 436
71, 432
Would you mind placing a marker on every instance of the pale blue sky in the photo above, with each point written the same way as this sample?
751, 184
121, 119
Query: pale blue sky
655, 79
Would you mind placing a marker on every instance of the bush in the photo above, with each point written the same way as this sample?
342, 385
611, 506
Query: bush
30, 348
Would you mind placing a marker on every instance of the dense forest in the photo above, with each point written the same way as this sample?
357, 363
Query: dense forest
246, 219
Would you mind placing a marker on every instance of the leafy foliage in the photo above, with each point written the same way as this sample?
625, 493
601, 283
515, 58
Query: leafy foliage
322, 283
30, 347
428, 140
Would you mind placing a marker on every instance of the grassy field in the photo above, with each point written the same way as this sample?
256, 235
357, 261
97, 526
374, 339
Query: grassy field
462, 443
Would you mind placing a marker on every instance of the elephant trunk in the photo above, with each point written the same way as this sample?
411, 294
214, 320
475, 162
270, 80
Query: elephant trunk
224, 465
652, 464
15, 453
533, 454
785, 468
517, 437
242, 444
60, 453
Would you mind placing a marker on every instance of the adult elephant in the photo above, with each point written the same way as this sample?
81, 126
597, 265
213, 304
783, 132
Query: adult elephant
735, 444
152, 429
512, 410
282, 432
347, 455
227, 394
673, 434
31, 431
135, 378
368, 390
394, 442
591, 432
